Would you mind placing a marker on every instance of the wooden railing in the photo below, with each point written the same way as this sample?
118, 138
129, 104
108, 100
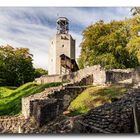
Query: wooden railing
136, 117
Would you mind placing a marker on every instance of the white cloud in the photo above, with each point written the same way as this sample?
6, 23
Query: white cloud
24, 27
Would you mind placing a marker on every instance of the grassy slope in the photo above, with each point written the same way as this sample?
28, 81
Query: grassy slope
93, 97
10, 99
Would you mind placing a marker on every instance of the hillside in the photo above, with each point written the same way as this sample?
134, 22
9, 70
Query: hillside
95, 96
10, 97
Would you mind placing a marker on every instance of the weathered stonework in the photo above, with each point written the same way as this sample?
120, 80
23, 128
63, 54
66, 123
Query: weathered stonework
44, 107
116, 117
118, 75
49, 79
136, 75
27, 106
11, 124
100, 76
60, 44
59, 98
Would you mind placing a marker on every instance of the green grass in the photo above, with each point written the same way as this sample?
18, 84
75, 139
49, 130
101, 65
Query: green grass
10, 98
94, 97
5, 91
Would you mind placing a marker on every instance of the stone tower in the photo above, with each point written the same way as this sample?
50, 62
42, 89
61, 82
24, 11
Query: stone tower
61, 43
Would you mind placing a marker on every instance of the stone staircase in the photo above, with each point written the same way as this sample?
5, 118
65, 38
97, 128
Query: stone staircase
117, 117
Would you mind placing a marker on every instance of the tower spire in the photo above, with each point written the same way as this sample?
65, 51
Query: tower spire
62, 25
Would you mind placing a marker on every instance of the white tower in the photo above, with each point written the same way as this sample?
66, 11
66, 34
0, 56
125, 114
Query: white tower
61, 43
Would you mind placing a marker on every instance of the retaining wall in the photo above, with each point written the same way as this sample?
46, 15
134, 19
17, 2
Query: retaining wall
48, 104
100, 75
97, 71
118, 75
136, 75
11, 124
49, 79
116, 117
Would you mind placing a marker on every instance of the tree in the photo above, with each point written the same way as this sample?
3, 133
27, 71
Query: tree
16, 66
106, 44
133, 45
40, 72
135, 11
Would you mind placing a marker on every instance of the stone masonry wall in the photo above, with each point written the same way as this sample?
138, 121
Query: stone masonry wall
57, 98
11, 124
49, 79
117, 75
116, 117
96, 70
136, 75
100, 75
50, 103
27, 102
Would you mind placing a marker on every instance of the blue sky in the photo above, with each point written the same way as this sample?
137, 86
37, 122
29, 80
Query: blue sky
33, 27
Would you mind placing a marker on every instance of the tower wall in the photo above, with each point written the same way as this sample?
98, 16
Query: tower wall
62, 44
52, 56
72, 48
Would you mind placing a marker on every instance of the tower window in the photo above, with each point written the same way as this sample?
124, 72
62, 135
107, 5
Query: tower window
52, 42
62, 45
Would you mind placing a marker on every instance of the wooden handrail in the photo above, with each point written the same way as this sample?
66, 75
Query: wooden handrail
136, 117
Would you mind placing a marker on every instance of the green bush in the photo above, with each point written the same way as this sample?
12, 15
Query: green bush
39, 72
